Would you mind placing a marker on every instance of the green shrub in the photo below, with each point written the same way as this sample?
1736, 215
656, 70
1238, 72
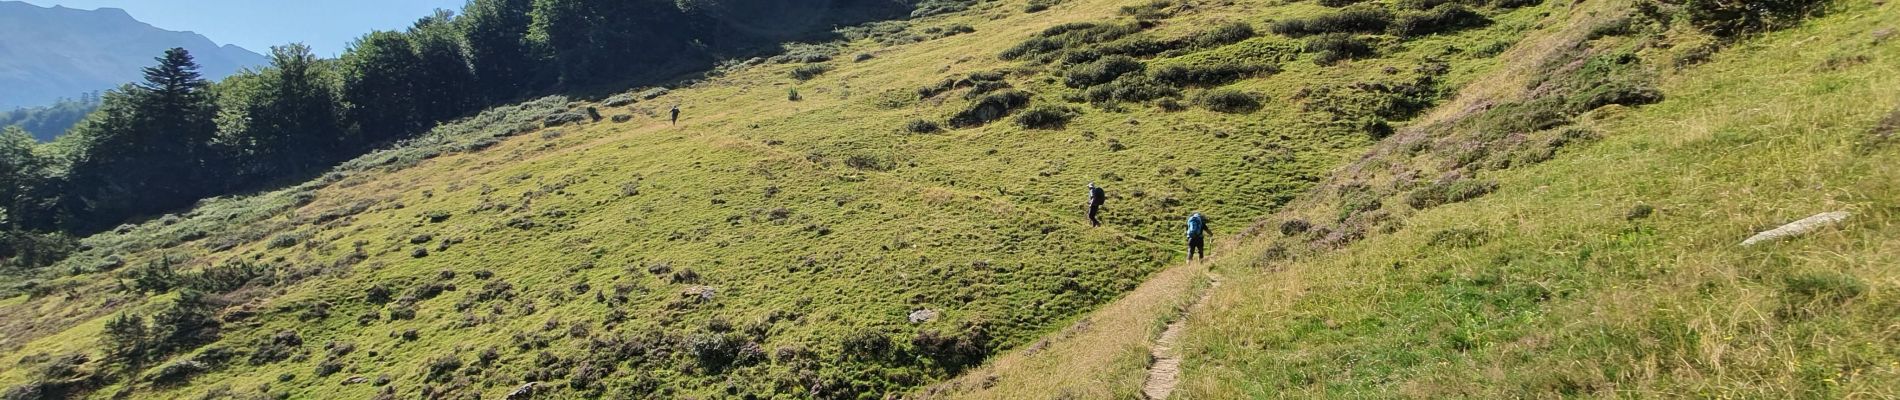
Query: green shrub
713, 352
1152, 10
1448, 192
954, 351
156, 276
276, 348
1102, 71
1449, 17
1231, 101
809, 71
1225, 34
1734, 18
1065, 36
177, 373
980, 88
922, 126
1332, 48
1209, 74
1131, 88
990, 108
441, 368
1339, 3
1040, 5
1046, 116
225, 277
1356, 19
792, 95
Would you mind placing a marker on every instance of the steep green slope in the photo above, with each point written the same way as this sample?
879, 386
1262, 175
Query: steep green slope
1615, 268
780, 240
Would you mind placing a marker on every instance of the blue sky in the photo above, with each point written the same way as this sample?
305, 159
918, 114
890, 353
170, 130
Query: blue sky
327, 26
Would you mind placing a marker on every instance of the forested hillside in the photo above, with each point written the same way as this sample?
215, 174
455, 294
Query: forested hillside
47, 122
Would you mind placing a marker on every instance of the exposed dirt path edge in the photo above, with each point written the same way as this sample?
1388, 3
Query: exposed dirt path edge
1165, 371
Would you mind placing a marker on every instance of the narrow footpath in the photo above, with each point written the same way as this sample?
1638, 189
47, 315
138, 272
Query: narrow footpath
1165, 372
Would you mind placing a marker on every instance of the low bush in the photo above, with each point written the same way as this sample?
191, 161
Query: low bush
176, 373
713, 352
1356, 19
276, 348
1230, 101
1152, 10
1035, 6
563, 118
1448, 192
1449, 17
1209, 74
156, 276
1294, 227
990, 108
810, 71
1046, 116
1065, 36
1332, 48
1735, 18
807, 53
954, 351
441, 368
980, 88
1132, 88
1102, 71
922, 126
225, 277
1225, 34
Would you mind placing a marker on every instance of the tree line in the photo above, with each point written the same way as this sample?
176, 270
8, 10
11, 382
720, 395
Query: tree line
162, 144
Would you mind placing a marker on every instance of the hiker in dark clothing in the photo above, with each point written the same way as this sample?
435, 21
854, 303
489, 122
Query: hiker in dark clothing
1096, 198
676, 114
1197, 236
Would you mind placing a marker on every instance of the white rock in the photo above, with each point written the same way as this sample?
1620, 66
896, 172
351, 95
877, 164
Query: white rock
924, 315
1798, 228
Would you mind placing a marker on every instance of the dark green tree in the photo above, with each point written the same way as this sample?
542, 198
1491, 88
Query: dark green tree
496, 33
21, 169
289, 117
184, 324
127, 341
601, 41
145, 150
380, 73
447, 89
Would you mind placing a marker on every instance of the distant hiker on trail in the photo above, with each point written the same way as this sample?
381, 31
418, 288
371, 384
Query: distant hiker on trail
1096, 198
1197, 236
676, 114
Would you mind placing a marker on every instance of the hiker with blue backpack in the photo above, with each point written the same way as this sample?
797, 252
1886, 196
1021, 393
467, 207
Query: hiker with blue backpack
1197, 231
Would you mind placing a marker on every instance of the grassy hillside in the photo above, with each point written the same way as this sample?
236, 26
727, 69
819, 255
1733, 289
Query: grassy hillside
872, 217
1613, 269
781, 239
1518, 241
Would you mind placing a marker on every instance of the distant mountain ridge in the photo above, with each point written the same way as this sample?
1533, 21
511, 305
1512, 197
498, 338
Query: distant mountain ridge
48, 53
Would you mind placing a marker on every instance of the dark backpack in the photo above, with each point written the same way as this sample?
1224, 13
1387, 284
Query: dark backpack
1097, 195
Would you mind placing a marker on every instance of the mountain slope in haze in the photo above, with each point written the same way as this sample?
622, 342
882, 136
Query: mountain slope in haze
47, 53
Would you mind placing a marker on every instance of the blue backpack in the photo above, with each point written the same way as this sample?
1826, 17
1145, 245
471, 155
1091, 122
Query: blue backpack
1196, 224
